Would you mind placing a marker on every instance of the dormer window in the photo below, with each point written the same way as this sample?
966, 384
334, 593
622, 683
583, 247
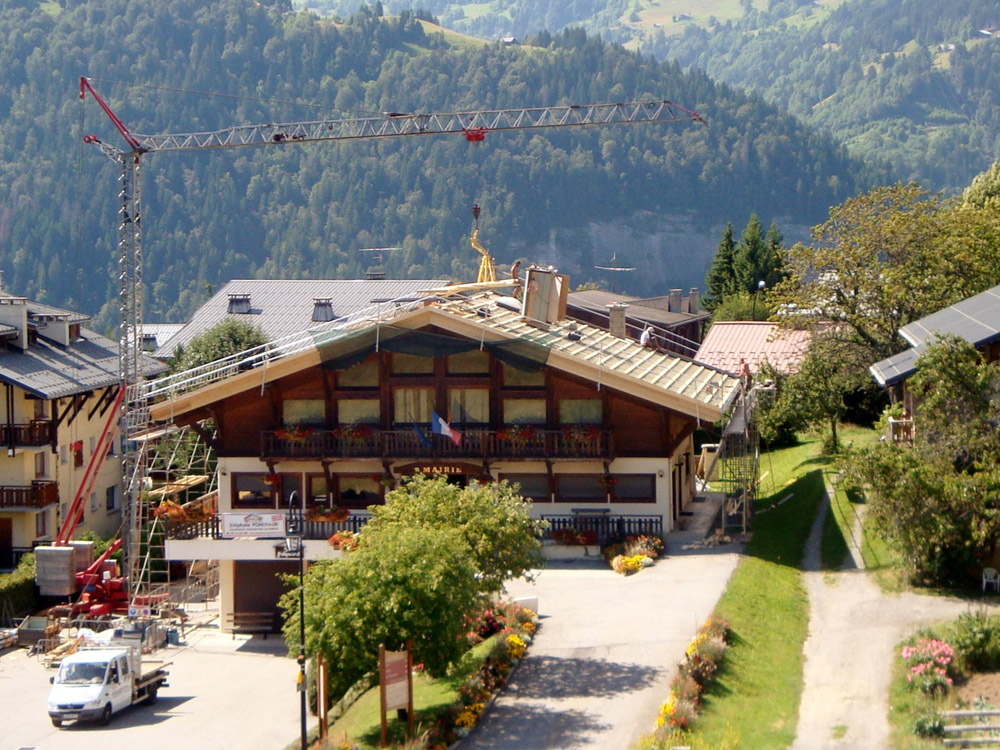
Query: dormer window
322, 310
239, 304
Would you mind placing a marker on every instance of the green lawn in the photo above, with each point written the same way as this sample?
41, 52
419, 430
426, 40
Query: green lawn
361, 722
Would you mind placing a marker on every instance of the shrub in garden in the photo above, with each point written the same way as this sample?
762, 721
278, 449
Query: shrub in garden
977, 640
928, 724
684, 687
676, 713
716, 627
628, 565
644, 544
930, 665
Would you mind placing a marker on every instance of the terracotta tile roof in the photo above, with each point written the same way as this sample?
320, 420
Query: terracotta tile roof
727, 342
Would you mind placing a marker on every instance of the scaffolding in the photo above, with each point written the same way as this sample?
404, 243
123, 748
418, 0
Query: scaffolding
739, 457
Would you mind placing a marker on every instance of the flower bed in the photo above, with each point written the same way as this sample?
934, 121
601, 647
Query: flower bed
701, 661
513, 627
633, 554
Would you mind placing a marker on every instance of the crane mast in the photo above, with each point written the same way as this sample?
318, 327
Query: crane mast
473, 124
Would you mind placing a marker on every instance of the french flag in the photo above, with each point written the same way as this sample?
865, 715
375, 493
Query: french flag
440, 427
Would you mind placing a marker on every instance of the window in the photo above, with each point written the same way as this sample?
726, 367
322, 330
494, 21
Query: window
580, 411
39, 464
512, 377
412, 364
524, 411
111, 498
40, 410
41, 523
469, 363
580, 487
317, 492
413, 405
93, 502
364, 375
469, 405
359, 411
303, 411
63, 454
93, 444
251, 491
359, 491
635, 488
77, 449
533, 486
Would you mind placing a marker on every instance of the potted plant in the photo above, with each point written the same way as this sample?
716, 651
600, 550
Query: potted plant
517, 435
337, 514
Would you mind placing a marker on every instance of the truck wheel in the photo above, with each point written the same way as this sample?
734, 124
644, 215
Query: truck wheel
106, 715
56, 722
151, 696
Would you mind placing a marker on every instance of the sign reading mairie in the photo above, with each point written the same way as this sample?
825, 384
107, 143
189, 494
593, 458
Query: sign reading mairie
447, 469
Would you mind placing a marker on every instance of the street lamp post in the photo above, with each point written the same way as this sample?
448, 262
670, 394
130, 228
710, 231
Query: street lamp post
295, 546
760, 287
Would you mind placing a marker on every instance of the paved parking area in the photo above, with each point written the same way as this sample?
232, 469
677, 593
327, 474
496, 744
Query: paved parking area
223, 693
601, 663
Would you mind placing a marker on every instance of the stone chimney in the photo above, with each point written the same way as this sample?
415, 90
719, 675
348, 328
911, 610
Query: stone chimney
616, 319
674, 303
239, 304
694, 300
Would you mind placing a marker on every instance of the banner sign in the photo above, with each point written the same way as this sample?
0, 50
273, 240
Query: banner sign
251, 525
396, 687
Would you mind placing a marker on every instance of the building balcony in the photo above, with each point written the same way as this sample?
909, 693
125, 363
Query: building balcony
510, 442
38, 495
31, 435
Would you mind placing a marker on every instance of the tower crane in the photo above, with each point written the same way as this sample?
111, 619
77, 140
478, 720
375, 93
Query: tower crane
474, 125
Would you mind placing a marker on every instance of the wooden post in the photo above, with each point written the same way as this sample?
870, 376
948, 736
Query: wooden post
409, 689
381, 693
322, 709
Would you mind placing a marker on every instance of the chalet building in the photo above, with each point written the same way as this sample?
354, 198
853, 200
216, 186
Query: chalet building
975, 319
595, 428
59, 381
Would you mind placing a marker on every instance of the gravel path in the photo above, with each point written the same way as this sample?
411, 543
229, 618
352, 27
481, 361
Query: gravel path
853, 630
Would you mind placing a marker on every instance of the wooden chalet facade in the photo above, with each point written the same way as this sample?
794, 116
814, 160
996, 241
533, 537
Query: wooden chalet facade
596, 429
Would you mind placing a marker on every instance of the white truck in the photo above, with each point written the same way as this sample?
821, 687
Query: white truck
96, 683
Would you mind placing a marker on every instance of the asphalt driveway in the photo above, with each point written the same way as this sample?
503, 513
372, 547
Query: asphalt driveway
601, 663
223, 693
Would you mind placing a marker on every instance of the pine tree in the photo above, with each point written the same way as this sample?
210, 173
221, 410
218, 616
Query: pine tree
721, 278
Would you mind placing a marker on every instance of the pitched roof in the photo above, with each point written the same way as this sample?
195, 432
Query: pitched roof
975, 319
48, 370
728, 342
281, 307
567, 345
648, 310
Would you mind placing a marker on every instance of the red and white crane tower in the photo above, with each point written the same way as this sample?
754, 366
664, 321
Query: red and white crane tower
473, 125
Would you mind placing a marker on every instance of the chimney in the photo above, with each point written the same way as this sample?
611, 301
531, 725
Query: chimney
239, 304
694, 301
616, 319
14, 312
322, 309
674, 305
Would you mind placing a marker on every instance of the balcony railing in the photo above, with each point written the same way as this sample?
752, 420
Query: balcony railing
37, 495
211, 528
504, 443
605, 528
33, 434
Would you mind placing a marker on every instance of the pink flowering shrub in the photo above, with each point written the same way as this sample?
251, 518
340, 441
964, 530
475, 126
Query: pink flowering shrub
930, 665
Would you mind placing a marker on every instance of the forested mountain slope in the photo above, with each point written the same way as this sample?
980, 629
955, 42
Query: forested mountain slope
914, 81
656, 194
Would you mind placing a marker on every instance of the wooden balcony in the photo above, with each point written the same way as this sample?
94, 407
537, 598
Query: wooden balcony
31, 435
37, 495
504, 443
605, 527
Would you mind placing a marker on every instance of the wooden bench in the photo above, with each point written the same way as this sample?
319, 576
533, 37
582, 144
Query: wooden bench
250, 622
